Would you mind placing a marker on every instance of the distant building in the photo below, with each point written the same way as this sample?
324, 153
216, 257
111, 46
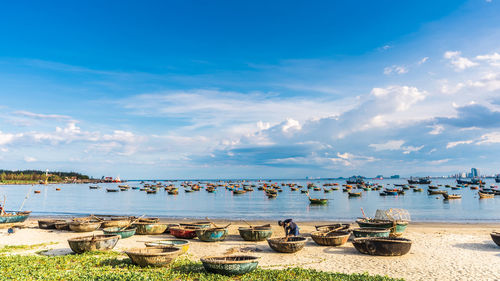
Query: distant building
395, 177
474, 173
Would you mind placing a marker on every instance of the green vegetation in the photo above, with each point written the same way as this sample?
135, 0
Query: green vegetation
35, 176
10, 248
116, 266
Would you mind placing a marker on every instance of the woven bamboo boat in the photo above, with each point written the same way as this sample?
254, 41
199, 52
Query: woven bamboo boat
354, 194
256, 233
214, 234
292, 245
496, 237
93, 243
146, 228
330, 227
48, 224
199, 224
64, 225
337, 238
230, 265
371, 232
153, 256
397, 228
184, 232
382, 246
84, 226
318, 201
124, 233
121, 222
182, 244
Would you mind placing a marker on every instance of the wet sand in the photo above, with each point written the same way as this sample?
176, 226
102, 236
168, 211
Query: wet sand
440, 251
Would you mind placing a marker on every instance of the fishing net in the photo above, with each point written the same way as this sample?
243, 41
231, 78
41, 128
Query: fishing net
393, 215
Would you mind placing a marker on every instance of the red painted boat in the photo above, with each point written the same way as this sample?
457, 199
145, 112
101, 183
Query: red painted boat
186, 232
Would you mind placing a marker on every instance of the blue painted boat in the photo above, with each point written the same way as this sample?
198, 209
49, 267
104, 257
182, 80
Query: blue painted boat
14, 217
212, 234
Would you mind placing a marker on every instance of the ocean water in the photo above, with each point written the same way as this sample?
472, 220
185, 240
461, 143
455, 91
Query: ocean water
78, 199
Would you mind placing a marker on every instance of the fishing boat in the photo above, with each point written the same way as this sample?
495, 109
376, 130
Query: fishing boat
397, 227
333, 226
183, 244
173, 191
418, 190
93, 243
318, 201
230, 265
456, 187
147, 228
354, 194
451, 196
84, 226
332, 238
436, 192
371, 232
48, 224
122, 232
94, 187
255, 233
379, 246
413, 180
496, 237
112, 190
187, 232
239, 191
433, 187
485, 195
290, 245
153, 256
214, 234
151, 191
13, 217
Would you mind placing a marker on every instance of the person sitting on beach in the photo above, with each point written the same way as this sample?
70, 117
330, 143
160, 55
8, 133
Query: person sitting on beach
291, 228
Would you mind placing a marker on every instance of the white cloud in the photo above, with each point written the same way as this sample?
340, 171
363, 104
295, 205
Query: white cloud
397, 69
493, 59
29, 159
390, 145
423, 60
489, 138
459, 63
455, 143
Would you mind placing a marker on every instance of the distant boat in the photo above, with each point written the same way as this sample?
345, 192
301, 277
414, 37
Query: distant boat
497, 178
13, 217
112, 190
94, 187
413, 180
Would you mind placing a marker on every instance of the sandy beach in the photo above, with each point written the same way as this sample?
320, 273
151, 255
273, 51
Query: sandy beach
440, 251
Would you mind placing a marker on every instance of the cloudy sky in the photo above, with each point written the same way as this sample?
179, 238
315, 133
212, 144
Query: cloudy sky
225, 89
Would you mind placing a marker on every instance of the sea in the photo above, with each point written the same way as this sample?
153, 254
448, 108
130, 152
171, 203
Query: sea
79, 200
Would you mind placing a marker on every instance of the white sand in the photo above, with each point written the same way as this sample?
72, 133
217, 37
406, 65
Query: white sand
439, 251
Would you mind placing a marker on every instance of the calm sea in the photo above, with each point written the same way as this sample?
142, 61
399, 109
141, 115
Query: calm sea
78, 199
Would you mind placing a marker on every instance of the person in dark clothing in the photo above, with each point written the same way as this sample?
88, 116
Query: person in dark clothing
290, 227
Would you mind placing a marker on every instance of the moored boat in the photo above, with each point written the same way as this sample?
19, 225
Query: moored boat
483, 195
379, 246
230, 265
93, 243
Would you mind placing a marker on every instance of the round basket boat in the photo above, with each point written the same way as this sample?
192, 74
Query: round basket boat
212, 234
64, 225
153, 256
232, 265
200, 224
115, 223
84, 226
292, 245
182, 244
330, 227
496, 237
337, 238
124, 233
378, 246
48, 224
257, 233
187, 232
93, 243
397, 228
371, 232
145, 228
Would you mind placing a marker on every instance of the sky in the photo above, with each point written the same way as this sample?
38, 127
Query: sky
250, 89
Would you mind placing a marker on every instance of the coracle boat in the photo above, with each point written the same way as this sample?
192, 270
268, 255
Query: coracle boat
418, 190
112, 190
292, 245
230, 265
199, 224
451, 196
93, 243
153, 256
48, 224
186, 232
371, 232
84, 226
379, 246
397, 228
123, 232
182, 244
496, 237
335, 226
436, 192
337, 238
64, 225
147, 228
94, 187
212, 234
354, 194
148, 220
256, 233
116, 222
14, 217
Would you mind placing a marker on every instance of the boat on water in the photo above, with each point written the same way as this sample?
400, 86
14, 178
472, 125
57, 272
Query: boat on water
413, 180
497, 178
94, 187
485, 195
355, 180
469, 182
14, 217
451, 196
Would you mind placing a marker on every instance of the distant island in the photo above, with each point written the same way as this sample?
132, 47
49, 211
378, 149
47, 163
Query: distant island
37, 177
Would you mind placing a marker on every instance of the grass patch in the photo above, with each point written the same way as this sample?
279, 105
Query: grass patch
115, 266
11, 248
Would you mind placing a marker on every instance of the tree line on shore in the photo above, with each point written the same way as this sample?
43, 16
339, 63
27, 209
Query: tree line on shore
37, 175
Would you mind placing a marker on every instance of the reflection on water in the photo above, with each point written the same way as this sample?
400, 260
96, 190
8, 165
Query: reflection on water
79, 199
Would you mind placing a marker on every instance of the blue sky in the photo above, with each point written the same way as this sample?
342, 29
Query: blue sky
225, 89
